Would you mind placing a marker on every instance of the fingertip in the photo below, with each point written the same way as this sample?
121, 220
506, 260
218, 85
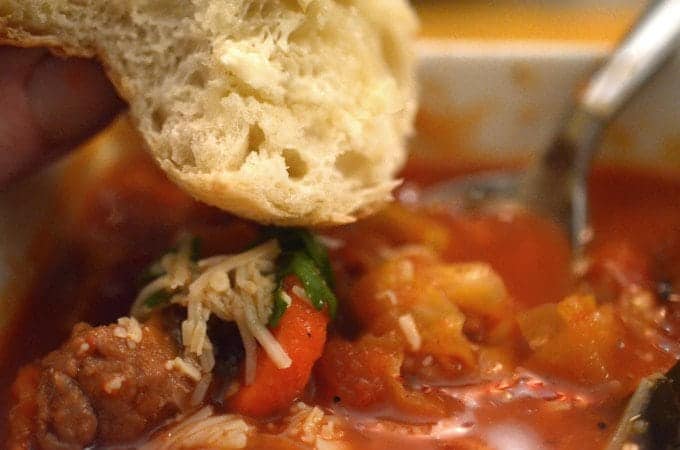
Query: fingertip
70, 99
19, 141
47, 106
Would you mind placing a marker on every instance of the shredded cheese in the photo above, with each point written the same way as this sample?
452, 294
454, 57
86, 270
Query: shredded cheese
410, 330
128, 328
286, 298
235, 288
311, 425
201, 390
204, 430
299, 291
114, 384
185, 367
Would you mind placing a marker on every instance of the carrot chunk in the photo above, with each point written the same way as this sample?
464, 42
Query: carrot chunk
302, 333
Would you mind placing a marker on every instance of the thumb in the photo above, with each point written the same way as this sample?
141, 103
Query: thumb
48, 105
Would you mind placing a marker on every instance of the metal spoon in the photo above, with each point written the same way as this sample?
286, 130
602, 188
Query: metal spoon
556, 186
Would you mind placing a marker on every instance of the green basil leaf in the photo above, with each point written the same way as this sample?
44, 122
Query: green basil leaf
304, 256
158, 298
295, 239
318, 253
315, 286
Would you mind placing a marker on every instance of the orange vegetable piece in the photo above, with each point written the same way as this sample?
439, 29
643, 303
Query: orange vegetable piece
360, 373
366, 374
575, 338
302, 333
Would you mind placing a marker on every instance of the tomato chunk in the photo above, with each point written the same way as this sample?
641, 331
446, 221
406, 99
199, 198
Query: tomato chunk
366, 374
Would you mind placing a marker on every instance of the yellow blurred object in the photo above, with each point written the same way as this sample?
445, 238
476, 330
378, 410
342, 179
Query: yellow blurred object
524, 20
575, 337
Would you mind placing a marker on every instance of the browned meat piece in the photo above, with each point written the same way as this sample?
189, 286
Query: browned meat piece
65, 417
107, 385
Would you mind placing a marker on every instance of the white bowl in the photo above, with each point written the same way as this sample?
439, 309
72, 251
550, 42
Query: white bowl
503, 100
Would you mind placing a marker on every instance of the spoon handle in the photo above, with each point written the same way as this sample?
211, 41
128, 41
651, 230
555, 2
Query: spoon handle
558, 183
641, 53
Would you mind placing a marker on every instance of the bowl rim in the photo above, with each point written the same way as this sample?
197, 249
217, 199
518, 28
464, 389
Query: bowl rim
540, 48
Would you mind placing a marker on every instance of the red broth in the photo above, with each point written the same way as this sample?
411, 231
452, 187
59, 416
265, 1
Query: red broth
552, 367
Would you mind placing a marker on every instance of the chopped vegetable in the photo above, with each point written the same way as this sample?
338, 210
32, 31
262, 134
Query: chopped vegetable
309, 274
305, 257
367, 373
302, 334
318, 292
294, 239
318, 253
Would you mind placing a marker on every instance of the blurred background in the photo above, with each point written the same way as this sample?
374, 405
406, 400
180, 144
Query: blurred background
575, 20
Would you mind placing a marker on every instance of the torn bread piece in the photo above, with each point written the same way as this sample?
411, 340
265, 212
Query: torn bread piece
285, 112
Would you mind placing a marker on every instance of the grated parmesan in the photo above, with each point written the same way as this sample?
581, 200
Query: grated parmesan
185, 367
299, 291
410, 330
311, 425
235, 288
204, 430
114, 384
84, 347
286, 298
201, 390
128, 328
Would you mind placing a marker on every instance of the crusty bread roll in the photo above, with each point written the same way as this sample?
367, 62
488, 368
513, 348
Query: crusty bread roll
291, 112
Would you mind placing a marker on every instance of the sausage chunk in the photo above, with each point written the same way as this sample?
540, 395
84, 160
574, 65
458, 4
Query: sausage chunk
107, 385
66, 419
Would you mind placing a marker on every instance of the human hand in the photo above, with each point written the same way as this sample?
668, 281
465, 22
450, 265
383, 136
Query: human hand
47, 106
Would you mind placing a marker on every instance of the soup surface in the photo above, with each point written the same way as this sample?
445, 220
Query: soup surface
454, 329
